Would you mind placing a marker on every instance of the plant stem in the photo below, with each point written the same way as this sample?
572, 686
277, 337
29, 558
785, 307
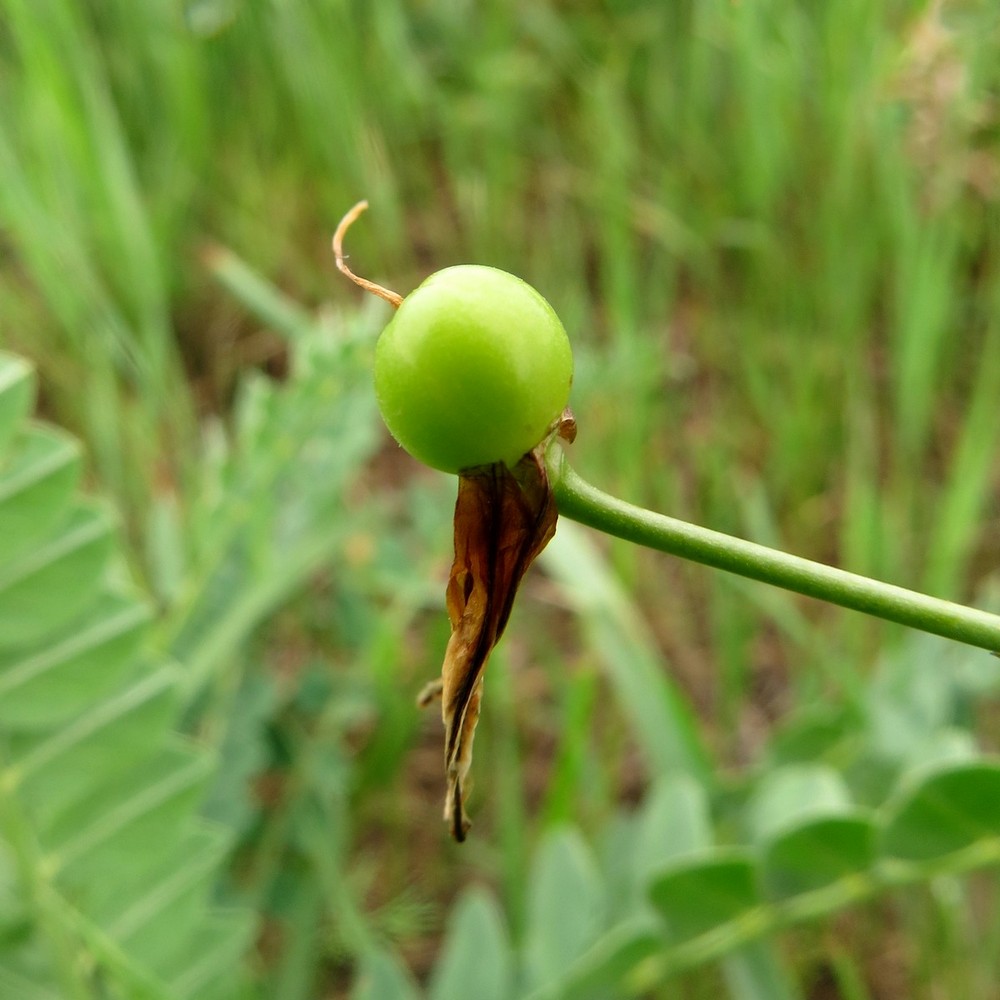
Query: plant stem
578, 500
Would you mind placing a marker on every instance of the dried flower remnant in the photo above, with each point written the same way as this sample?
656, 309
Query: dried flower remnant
503, 519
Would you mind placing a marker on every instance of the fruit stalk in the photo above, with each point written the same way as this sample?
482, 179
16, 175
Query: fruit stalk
578, 500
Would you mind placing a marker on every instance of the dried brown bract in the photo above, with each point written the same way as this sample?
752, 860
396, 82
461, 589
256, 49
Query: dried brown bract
503, 520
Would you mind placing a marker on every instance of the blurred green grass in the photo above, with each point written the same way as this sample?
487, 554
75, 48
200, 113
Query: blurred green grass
772, 230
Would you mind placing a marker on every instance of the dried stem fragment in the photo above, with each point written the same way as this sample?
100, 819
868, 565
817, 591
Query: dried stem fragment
338, 252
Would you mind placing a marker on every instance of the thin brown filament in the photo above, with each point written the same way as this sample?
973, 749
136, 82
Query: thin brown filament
338, 252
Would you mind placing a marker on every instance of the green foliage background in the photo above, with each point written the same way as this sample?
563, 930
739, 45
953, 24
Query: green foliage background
773, 231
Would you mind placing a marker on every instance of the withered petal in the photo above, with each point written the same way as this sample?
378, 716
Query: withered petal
503, 519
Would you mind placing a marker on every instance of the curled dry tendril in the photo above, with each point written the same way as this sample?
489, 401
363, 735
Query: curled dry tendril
338, 252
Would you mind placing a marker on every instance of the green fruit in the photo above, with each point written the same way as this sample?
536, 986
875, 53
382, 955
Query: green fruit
473, 369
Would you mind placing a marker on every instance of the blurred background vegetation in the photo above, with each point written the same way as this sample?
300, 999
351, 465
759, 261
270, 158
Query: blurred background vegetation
772, 230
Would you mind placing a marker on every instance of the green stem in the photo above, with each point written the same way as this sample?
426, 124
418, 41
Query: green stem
578, 500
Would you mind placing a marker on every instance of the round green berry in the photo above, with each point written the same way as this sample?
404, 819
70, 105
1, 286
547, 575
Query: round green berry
473, 369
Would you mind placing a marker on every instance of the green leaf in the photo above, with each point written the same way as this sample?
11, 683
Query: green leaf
215, 970
42, 686
787, 795
271, 508
46, 587
24, 975
600, 971
673, 821
36, 487
143, 886
59, 769
943, 812
817, 853
280, 313
476, 958
242, 755
383, 977
98, 800
700, 894
125, 829
812, 733
17, 392
566, 906
913, 695
163, 941
808, 831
